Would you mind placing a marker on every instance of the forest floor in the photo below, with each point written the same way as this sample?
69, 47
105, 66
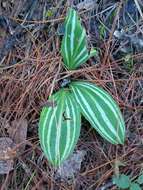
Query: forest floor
31, 68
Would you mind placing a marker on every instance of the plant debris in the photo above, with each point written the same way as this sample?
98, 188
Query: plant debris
71, 166
6, 155
18, 132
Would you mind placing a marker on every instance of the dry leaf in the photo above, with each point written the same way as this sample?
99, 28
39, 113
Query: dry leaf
71, 166
6, 155
18, 132
86, 4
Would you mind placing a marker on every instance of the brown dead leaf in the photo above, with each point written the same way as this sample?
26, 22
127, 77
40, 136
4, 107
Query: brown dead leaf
18, 132
6, 155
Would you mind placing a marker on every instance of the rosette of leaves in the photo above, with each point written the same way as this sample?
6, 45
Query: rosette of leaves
59, 126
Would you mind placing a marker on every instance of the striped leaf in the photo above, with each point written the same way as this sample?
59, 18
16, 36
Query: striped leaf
74, 45
59, 127
99, 108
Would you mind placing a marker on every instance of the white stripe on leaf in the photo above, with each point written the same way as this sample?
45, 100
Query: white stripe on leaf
65, 40
108, 100
73, 25
58, 136
90, 115
82, 53
74, 45
87, 95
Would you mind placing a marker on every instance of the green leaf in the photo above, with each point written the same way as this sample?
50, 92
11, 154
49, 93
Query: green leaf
93, 52
140, 179
49, 13
59, 127
135, 186
122, 181
99, 108
74, 46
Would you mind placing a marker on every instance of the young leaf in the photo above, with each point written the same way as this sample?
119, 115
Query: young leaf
74, 46
122, 181
99, 108
93, 52
59, 127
